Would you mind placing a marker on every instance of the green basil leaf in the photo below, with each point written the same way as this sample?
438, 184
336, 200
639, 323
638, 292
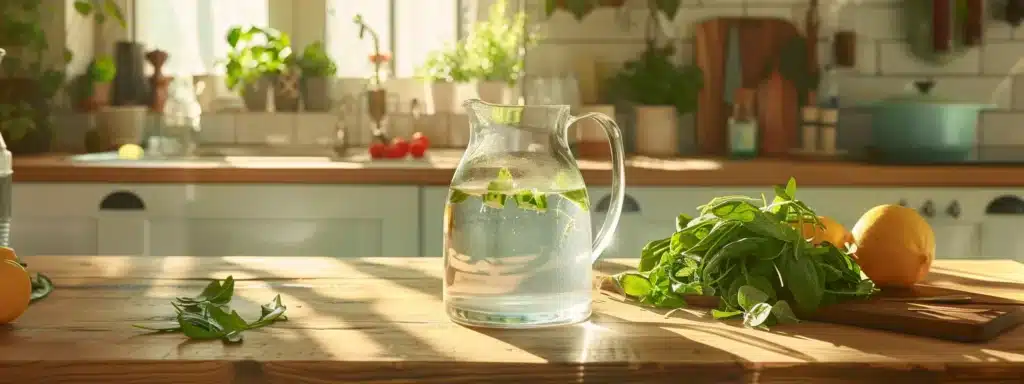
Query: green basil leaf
757, 315
783, 313
634, 284
722, 315
747, 297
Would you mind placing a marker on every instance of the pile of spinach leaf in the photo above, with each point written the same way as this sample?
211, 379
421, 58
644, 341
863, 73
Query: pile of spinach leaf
746, 252
208, 317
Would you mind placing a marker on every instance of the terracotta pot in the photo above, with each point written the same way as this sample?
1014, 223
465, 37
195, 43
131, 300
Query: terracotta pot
495, 92
316, 94
254, 95
286, 93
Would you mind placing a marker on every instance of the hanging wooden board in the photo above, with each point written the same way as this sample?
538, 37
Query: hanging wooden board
760, 41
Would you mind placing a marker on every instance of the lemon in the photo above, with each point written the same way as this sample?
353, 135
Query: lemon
130, 152
895, 245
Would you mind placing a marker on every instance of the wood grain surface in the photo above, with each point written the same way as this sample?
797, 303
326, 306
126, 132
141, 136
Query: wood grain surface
438, 170
380, 320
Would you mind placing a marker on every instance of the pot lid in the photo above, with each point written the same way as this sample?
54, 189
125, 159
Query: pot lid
921, 94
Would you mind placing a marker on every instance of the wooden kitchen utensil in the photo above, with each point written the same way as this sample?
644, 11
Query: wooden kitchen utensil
761, 39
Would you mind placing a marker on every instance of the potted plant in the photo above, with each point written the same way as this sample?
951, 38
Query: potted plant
376, 94
495, 52
30, 84
446, 71
580, 8
317, 70
258, 57
95, 84
662, 93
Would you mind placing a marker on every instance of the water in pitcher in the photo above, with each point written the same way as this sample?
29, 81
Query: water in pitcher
519, 257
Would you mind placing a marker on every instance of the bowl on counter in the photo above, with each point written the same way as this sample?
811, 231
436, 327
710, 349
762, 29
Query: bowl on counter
920, 127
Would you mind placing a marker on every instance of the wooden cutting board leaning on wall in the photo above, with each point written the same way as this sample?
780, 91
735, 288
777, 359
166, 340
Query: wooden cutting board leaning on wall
760, 40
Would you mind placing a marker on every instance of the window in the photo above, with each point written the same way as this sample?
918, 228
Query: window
408, 29
193, 31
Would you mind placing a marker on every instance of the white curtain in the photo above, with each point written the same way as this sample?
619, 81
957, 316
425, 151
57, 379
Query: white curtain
420, 26
193, 31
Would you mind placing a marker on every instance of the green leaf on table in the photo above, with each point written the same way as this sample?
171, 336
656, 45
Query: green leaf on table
207, 316
783, 313
757, 315
634, 284
748, 297
42, 286
722, 315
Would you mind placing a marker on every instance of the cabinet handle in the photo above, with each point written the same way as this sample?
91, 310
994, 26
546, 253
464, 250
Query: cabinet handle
953, 209
629, 204
928, 209
122, 201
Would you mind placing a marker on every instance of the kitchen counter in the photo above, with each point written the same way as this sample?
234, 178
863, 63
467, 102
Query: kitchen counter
437, 170
377, 320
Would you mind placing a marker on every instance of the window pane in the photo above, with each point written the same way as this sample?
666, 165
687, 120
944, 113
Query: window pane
342, 38
193, 31
421, 27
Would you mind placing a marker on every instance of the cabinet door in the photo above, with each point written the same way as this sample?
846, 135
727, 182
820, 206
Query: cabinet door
432, 220
291, 220
53, 219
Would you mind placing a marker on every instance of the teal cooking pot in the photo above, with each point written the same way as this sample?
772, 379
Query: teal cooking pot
920, 127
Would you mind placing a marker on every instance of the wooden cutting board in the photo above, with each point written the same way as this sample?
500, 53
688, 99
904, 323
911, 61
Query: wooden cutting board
760, 41
984, 318
981, 320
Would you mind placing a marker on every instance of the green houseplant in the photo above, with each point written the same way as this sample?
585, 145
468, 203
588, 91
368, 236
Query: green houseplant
495, 48
258, 56
31, 80
661, 92
317, 70
92, 89
445, 71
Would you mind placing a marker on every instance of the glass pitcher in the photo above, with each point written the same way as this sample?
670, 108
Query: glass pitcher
518, 249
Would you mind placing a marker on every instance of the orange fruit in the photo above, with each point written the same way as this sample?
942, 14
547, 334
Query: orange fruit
895, 245
830, 231
8, 254
15, 290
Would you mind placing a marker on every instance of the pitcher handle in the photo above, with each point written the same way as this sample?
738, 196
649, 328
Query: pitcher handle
604, 235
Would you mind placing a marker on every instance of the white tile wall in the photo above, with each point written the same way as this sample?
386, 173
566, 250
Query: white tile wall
992, 73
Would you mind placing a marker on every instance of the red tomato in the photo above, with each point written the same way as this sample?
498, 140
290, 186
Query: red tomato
420, 137
417, 148
378, 150
398, 148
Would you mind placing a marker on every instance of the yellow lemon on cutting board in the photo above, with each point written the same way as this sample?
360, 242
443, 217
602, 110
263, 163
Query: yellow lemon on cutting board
830, 231
15, 290
895, 245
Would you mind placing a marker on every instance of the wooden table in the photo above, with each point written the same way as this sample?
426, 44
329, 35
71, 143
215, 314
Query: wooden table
380, 320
